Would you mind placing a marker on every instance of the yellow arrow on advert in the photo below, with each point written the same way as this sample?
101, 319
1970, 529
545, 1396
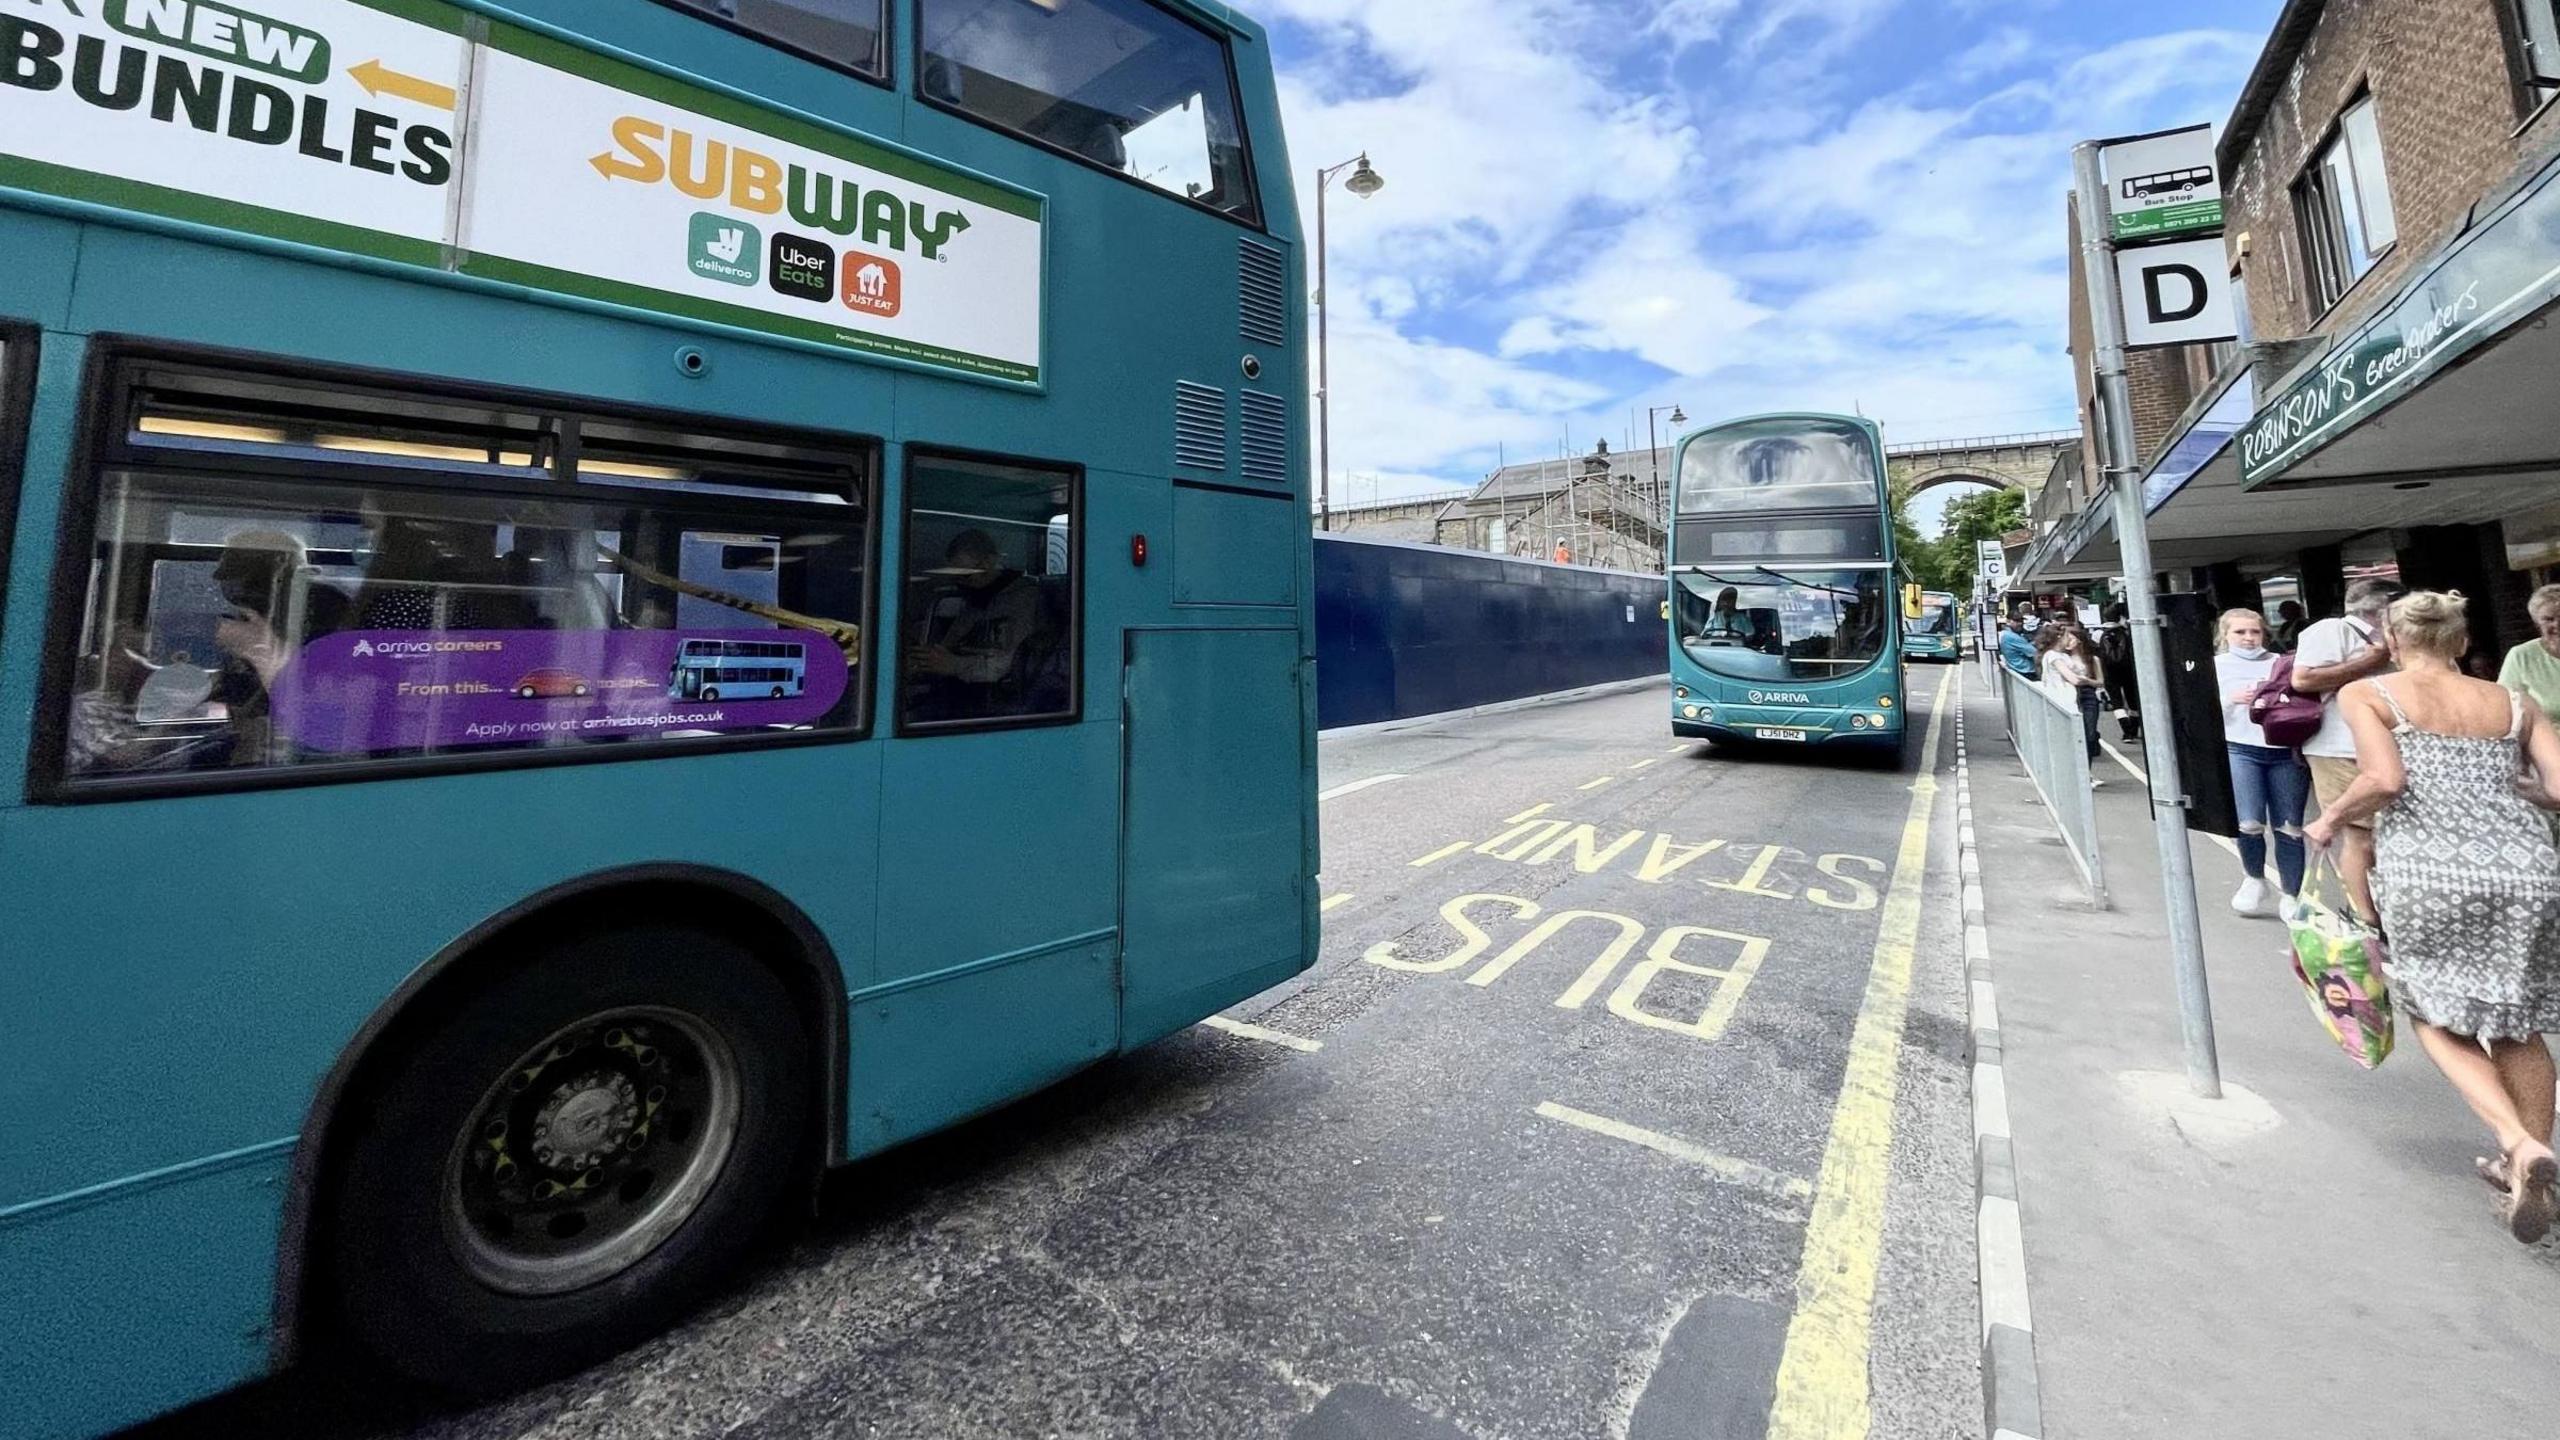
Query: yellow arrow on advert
378, 80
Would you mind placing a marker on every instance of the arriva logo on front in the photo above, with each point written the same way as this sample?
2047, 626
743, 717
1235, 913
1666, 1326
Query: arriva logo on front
1780, 697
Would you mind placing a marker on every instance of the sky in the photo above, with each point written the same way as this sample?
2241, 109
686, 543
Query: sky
1595, 206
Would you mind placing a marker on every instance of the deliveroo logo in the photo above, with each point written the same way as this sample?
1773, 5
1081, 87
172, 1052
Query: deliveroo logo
720, 248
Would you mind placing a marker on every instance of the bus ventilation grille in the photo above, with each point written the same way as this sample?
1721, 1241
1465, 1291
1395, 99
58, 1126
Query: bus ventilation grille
1262, 288
1199, 426
1266, 438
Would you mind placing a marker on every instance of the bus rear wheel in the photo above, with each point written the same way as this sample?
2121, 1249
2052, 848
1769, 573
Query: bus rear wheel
566, 1159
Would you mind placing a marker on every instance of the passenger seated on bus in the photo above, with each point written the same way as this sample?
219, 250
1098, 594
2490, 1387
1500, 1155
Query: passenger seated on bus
433, 573
274, 603
964, 664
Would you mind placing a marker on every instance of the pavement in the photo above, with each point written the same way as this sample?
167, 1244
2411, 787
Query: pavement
1629, 1099
2309, 1256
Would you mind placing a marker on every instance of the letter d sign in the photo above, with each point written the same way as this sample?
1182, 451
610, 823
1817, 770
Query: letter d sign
2175, 294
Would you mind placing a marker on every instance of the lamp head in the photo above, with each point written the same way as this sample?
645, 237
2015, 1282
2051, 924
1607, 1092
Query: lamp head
1677, 418
1365, 182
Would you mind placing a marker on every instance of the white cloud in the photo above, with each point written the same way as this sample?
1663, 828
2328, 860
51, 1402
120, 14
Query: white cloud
1565, 235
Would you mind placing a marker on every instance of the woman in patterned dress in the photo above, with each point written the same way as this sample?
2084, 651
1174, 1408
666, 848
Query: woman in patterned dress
2468, 882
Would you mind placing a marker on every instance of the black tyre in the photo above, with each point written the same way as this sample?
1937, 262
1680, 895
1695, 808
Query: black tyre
565, 1160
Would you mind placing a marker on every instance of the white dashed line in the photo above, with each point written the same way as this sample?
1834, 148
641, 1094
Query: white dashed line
1256, 1032
1338, 791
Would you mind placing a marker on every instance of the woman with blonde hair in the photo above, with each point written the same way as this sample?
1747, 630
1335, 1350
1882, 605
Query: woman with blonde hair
2269, 783
2468, 881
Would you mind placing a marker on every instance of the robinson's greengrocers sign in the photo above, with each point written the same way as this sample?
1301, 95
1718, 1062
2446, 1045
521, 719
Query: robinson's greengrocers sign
375, 127
2506, 267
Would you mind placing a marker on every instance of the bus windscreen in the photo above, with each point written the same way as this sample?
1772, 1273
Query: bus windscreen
1755, 623
1778, 465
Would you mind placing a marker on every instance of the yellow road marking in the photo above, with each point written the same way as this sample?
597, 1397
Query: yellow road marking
1596, 784
1256, 1032
1531, 813
1723, 1167
1443, 853
1652, 760
1822, 1376
1333, 902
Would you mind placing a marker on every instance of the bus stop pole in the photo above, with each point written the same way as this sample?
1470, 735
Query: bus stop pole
2123, 466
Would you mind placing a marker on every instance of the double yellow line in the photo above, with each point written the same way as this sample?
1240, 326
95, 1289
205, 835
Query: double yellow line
1822, 1376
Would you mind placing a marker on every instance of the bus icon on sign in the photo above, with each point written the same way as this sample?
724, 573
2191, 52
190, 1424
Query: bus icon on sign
871, 284
2182, 184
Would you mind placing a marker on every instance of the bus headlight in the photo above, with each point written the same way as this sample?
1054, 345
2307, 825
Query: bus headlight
1689, 711
1682, 691
1884, 702
1857, 722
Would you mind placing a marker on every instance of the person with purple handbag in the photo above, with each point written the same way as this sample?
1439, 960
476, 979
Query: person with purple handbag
2268, 781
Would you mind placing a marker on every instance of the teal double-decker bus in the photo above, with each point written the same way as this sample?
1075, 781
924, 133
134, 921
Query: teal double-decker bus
398, 398
1936, 633
1784, 606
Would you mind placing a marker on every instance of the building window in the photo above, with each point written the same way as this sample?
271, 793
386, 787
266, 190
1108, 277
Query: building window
2538, 47
288, 575
1116, 83
2343, 202
847, 34
990, 609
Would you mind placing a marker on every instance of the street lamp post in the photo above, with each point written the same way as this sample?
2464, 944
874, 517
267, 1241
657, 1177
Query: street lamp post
1653, 457
1364, 182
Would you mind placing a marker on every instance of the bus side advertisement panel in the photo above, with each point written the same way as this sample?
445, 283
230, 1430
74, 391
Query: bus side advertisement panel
374, 128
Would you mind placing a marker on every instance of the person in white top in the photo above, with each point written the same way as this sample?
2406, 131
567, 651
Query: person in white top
2331, 656
2269, 784
2071, 668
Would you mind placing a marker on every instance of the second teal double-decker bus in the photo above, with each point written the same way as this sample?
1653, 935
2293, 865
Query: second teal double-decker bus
1934, 633
604, 605
1783, 598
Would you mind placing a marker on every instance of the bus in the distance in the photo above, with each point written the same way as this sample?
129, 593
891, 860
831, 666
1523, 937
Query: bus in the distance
1936, 632
393, 405
1784, 608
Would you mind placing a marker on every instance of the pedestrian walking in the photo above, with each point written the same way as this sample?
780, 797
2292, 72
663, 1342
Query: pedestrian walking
2115, 652
2071, 662
2332, 655
2269, 783
2452, 770
2287, 631
2532, 669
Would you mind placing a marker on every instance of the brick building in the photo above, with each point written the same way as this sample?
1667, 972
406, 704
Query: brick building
2392, 220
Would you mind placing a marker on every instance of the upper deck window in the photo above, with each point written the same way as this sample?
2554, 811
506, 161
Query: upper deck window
1778, 465
848, 34
1118, 83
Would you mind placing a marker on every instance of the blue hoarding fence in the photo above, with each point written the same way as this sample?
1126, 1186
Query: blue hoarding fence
1407, 630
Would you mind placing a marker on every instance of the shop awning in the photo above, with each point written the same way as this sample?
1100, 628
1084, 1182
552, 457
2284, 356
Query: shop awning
2450, 383
2441, 409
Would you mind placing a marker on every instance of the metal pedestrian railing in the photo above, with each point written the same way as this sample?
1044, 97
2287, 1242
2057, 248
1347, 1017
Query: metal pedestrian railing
2045, 730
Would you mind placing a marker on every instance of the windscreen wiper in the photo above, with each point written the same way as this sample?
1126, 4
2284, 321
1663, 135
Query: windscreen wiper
1803, 584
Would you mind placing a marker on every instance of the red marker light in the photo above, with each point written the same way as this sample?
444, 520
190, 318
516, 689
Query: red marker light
1138, 550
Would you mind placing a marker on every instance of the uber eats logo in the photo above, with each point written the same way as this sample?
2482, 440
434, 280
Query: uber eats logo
802, 267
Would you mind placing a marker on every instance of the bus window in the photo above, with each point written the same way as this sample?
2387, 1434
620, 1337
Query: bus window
990, 616
842, 33
1778, 465
305, 612
1119, 83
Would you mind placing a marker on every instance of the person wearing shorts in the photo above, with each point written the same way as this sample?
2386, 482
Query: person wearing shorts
2332, 655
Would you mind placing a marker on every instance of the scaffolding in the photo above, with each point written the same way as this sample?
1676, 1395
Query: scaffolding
1595, 509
